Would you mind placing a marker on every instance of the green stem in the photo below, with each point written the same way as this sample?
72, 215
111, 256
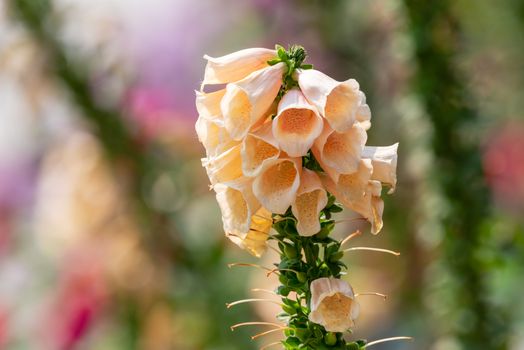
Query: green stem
303, 260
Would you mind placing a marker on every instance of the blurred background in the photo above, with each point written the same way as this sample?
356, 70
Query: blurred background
111, 239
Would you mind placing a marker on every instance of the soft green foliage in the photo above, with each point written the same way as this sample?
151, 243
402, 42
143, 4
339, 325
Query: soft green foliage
303, 260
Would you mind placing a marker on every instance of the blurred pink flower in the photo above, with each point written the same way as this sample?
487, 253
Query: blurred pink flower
4, 328
153, 110
80, 298
504, 165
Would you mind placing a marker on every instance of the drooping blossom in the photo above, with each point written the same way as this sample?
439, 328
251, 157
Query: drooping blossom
333, 304
257, 131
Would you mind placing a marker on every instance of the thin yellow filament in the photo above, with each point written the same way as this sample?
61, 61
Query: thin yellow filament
263, 290
386, 340
373, 249
233, 327
372, 293
268, 332
244, 301
277, 270
249, 265
350, 237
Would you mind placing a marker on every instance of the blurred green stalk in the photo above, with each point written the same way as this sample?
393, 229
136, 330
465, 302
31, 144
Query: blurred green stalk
456, 146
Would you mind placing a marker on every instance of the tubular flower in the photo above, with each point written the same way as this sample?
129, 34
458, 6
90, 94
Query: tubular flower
310, 200
384, 163
297, 124
333, 304
360, 193
254, 240
237, 204
246, 101
259, 149
285, 144
236, 65
276, 186
337, 101
340, 152
224, 168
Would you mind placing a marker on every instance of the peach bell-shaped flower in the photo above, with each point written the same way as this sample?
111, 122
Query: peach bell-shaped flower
226, 167
208, 104
255, 239
297, 124
333, 304
247, 101
340, 152
259, 150
363, 115
384, 162
310, 200
214, 136
276, 186
237, 204
337, 101
360, 193
236, 65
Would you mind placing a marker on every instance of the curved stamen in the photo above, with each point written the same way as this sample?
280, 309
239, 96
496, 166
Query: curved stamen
249, 265
284, 218
387, 340
350, 237
233, 327
373, 249
263, 290
275, 270
268, 332
244, 301
372, 293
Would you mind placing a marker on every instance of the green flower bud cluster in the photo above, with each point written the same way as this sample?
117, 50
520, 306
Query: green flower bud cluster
294, 59
303, 260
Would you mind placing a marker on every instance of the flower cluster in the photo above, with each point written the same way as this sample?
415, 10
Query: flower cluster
283, 143
281, 135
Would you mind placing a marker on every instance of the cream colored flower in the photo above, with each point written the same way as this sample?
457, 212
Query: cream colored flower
297, 124
214, 136
360, 193
276, 186
341, 152
208, 104
259, 150
337, 101
310, 200
237, 204
363, 115
224, 168
333, 304
254, 240
384, 162
247, 101
236, 65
